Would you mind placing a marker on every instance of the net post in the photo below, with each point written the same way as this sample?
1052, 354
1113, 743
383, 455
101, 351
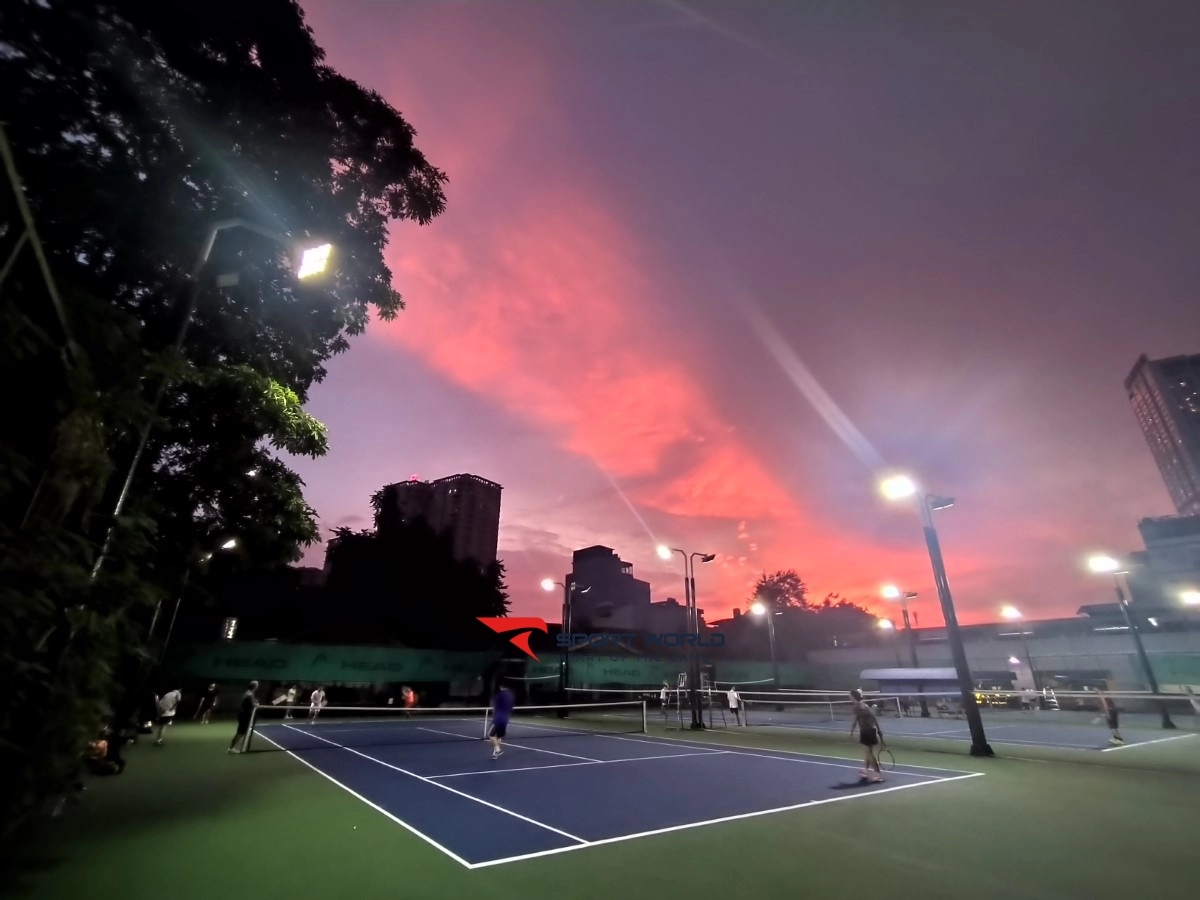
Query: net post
487, 717
250, 730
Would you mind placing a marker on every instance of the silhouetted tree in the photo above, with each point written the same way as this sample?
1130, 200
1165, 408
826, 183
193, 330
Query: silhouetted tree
135, 126
780, 590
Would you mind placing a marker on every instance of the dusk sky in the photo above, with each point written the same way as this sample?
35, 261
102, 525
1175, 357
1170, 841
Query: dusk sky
706, 268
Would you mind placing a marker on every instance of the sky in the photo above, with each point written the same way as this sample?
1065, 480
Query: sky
707, 269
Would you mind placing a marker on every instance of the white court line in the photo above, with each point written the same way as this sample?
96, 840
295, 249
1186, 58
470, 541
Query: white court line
846, 765
553, 752
600, 762
803, 757
722, 819
947, 735
1178, 737
446, 787
379, 809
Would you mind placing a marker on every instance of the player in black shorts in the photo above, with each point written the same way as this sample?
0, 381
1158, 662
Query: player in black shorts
869, 735
1109, 710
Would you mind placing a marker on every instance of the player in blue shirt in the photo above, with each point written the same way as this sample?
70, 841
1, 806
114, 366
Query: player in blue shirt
502, 708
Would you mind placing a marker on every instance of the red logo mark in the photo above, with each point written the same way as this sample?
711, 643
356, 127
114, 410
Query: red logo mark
526, 625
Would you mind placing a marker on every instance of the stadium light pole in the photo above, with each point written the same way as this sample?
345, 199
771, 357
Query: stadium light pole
228, 544
1108, 565
1014, 615
761, 609
313, 260
901, 487
569, 588
891, 592
689, 589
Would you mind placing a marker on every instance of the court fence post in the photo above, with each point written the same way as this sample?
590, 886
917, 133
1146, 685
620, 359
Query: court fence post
644, 728
250, 730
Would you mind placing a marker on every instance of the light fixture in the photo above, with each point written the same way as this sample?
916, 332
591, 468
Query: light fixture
314, 260
886, 624
229, 544
891, 592
758, 608
664, 552
897, 487
1010, 612
547, 584
1013, 661
1190, 598
1105, 565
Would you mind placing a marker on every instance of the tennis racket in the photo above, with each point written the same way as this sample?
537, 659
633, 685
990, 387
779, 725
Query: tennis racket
886, 760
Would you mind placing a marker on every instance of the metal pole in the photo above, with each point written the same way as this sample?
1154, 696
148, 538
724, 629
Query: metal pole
694, 660
189, 313
1123, 602
564, 670
912, 649
1029, 658
774, 657
966, 685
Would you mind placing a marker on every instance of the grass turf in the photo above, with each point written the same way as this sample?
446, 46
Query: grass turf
186, 821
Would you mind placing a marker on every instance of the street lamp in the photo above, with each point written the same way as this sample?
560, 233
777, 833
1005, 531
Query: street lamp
1108, 565
886, 625
1190, 598
313, 261
1014, 615
761, 609
569, 588
891, 592
901, 487
689, 590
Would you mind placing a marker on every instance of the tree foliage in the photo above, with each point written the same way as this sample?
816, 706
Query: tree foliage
801, 625
780, 590
135, 126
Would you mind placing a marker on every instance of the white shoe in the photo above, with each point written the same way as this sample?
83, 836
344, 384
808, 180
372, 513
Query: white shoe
233, 750
497, 754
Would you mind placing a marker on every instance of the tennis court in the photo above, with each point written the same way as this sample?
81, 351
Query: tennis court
563, 784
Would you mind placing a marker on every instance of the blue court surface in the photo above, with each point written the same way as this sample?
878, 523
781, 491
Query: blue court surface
574, 791
1058, 729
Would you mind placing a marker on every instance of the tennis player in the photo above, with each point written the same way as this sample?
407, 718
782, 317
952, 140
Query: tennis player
735, 703
502, 708
290, 699
208, 702
409, 697
245, 713
1111, 718
663, 697
869, 735
168, 703
316, 703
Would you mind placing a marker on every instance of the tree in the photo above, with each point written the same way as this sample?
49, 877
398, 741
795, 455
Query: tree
135, 126
780, 591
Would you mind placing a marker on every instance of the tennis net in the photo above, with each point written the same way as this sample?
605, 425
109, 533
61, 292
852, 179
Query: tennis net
292, 728
794, 713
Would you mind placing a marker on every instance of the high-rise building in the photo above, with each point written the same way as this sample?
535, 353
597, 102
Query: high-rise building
465, 507
608, 597
1165, 394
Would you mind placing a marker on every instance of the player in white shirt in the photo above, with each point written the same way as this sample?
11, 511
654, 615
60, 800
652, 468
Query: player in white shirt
663, 697
735, 703
315, 703
167, 704
290, 700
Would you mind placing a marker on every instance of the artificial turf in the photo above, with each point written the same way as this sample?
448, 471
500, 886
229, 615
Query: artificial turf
186, 821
